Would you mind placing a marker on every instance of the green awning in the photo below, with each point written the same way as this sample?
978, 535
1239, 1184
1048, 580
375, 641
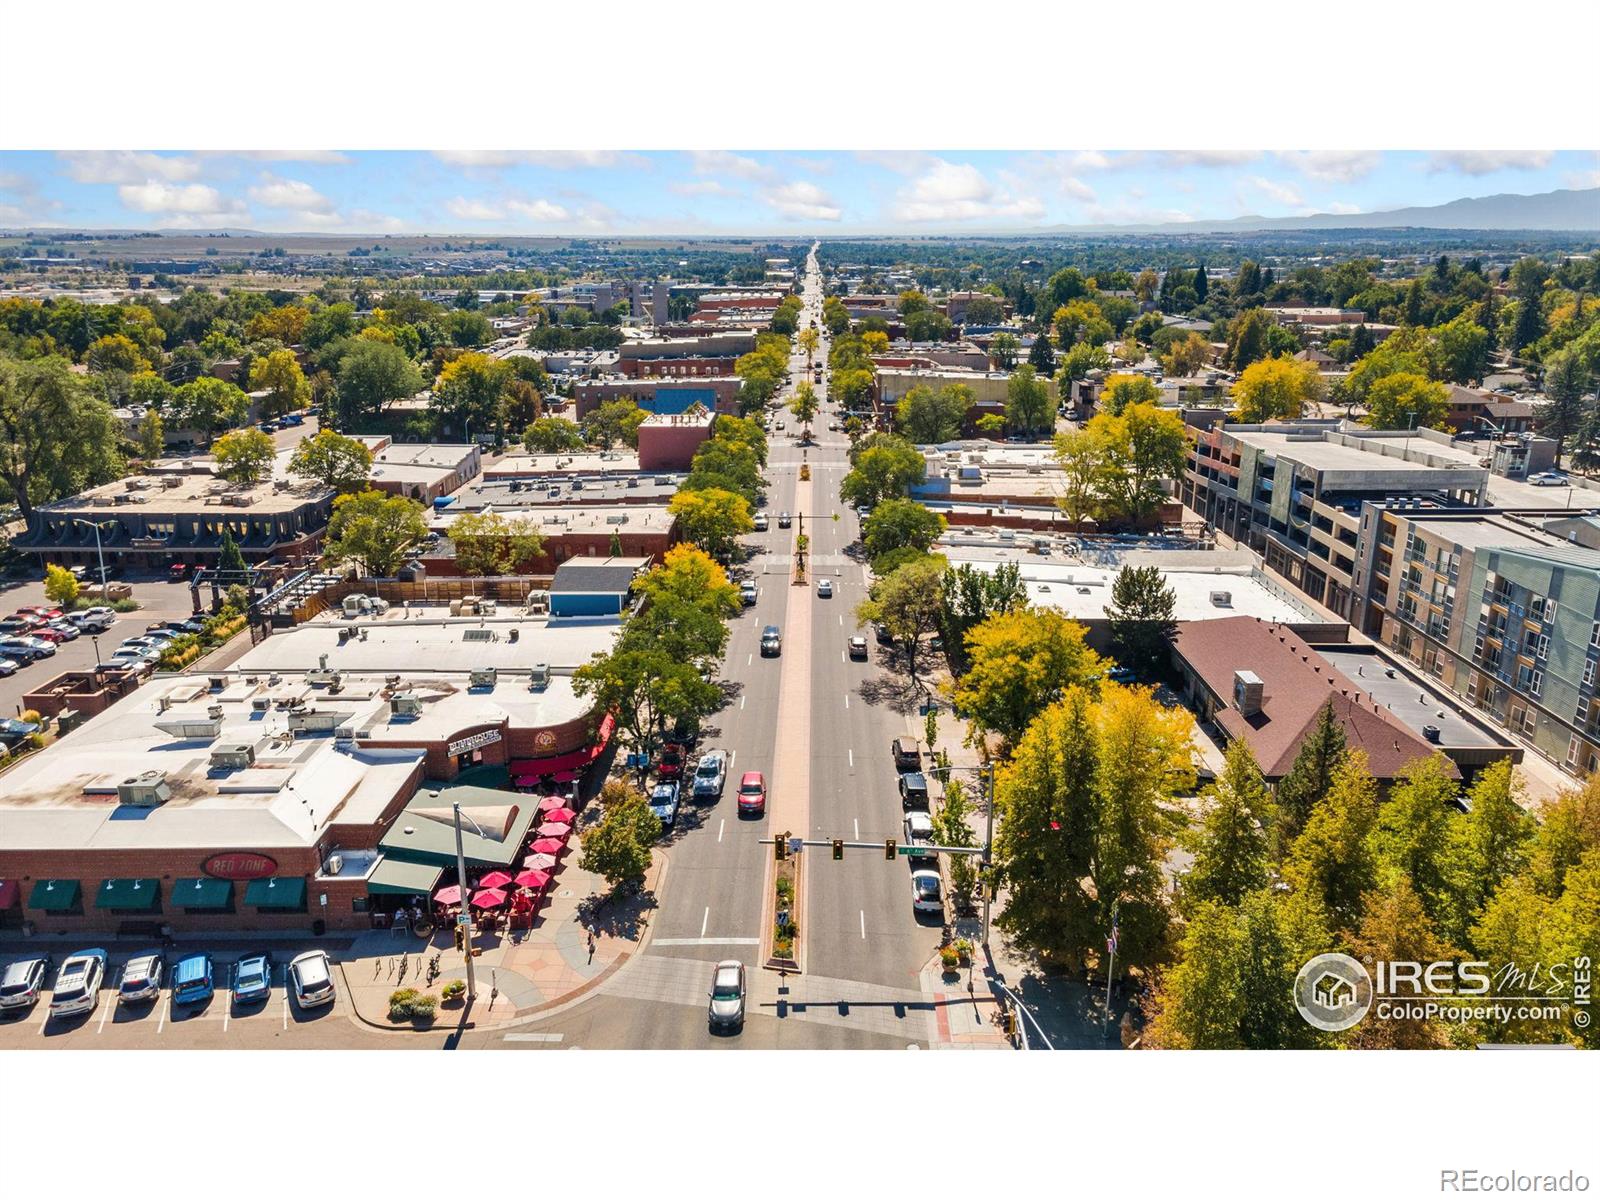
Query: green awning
128, 894
279, 891
393, 875
202, 892
54, 895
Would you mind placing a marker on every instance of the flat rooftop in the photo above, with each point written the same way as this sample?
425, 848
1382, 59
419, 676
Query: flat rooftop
1482, 534
66, 797
595, 463
554, 519
187, 493
1413, 702
422, 640
1082, 588
1338, 458
571, 491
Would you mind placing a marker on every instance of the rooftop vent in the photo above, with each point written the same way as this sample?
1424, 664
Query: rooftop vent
1248, 692
233, 758
1222, 599
406, 704
145, 790
482, 677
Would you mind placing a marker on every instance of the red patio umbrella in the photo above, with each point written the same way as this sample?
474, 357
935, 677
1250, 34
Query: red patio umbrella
489, 898
494, 879
540, 862
555, 829
448, 895
567, 776
548, 845
550, 802
532, 879
564, 815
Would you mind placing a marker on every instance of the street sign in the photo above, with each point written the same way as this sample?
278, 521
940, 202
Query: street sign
911, 851
463, 920
796, 844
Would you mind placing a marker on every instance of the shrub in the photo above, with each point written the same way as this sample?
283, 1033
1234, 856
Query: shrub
408, 1004
31, 715
126, 604
455, 989
949, 957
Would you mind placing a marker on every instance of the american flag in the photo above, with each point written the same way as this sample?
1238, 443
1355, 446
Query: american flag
1111, 942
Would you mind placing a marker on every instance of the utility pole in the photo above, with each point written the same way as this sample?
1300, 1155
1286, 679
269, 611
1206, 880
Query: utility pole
466, 908
988, 847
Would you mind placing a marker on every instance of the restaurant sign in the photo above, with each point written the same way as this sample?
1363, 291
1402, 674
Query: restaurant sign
239, 864
476, 741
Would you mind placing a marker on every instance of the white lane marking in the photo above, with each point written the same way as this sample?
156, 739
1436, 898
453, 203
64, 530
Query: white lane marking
227, 1010
842, 657
705, 920
721, 825
706, 941
534, 1037
841, 620
166, 1011
286, 1009
103, 1017
857, 822
44, 1023
742, 699
852, 754
748, 659
733, 757
847, 699
863, 924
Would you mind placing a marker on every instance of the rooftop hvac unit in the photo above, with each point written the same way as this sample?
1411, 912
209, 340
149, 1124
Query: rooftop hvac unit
1248, 692
216, 682
1222, 599
540, 675
482, 677
315, 721
334, 865
233, 758
406, 704
214, 712
321, 678
261, 704
191, 728
616, 518
145, 790
392, 681
1431, 732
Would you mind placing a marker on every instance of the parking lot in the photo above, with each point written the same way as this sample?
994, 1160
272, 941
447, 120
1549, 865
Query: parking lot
158, 599
220, 1023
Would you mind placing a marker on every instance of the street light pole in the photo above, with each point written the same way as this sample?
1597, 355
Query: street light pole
99, 552
466, 908
988, 848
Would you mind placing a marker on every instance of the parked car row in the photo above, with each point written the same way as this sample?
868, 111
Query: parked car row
190, 980
927, 884
34, 632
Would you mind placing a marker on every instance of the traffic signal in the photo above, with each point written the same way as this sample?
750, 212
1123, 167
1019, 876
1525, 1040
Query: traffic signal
461, 938
838, 849
888, 849
780, 846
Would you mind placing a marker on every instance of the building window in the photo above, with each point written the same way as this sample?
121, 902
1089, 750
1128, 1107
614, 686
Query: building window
1543, 651
1588, 672
1572, 751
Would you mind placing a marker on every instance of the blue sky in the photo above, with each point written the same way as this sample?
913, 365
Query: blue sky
668, 192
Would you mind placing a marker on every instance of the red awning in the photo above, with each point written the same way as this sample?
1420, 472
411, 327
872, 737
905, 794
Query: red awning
575, 760
8, 892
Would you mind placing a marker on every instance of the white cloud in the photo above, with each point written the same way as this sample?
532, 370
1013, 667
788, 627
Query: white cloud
1487, 162
801, 201
473, 210
331, 157
722, 162
1209, 158
1342, 209
1333, 166
276, 192
181, 204
127, 166
538, 210
1091, 160
365, 220
558, 160
959, 192
1281, 193
1133, 214
901, 162
1582, 179
703, 187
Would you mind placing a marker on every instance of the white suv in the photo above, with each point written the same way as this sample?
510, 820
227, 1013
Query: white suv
311, 979
78, 983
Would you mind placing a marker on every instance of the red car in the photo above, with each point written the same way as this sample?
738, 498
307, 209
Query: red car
40, 611
752, 794
48, 634
670, 764
179, 571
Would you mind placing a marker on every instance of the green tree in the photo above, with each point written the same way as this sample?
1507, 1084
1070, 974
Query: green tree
1003, 350
333, 460
1019, 663
1463, 349
279, 374
244, 456
929, 416
229, 558
952, 827
209, 405
1332, 859
375, 530
490, 543
151, 436
1082, 456
907, 602
1230, 854
971, 596
1515, 928
1143, 446
1248, 338
804, 405
898, 523
1413, 833
1123, 390
647, 687
1487, 847
1394, 927
1077, 362
552, 435
1566, 379
370, 377
618, 847
55, 438
888, 467
1407, 401
470, 391
1029, 405
1141, 618
1307, 783
1569, 828
1041, 356
712, 518
61, 586
614, 422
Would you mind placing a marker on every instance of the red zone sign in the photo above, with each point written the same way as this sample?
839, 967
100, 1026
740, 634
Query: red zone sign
239, 864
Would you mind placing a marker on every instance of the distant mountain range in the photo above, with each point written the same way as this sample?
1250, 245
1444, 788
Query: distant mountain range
1574, 210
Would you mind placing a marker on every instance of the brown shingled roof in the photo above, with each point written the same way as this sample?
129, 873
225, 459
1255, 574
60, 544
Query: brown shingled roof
1297, 682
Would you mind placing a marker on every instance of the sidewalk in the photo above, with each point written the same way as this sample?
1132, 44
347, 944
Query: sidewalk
518, 974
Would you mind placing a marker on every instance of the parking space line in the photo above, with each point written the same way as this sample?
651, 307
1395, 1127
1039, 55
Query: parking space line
166, 1011
721, 825
103, 1017
286, 1011
227, 1008
705, 920
742, 699
857, 822
852, 755
46, 1022
863, 924
847, 699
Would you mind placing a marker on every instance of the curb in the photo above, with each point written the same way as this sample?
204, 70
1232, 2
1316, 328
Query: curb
537, 1012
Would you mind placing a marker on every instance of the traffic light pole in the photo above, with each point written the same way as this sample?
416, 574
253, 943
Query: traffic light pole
466, 908
988, 847
889, 844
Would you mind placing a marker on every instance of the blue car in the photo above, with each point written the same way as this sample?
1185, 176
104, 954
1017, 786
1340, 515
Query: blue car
664, 802
192, 981
252, 979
